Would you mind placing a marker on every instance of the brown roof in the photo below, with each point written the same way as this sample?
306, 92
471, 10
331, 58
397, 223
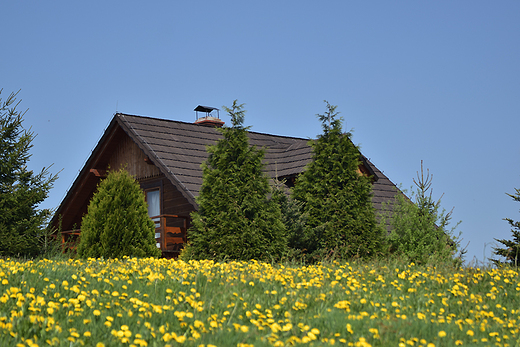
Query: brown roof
179, 148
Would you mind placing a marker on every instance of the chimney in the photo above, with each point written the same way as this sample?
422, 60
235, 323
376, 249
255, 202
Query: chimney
208, 119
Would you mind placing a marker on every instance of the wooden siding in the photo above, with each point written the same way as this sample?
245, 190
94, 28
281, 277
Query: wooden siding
172, 201
128, 155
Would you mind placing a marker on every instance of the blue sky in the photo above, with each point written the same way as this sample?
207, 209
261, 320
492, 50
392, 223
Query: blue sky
433, 81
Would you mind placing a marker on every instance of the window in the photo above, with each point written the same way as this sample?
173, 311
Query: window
153, 198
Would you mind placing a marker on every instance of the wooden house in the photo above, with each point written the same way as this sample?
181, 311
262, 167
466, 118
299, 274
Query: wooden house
165, 157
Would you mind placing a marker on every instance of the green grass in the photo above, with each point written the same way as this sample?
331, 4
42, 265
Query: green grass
150, 302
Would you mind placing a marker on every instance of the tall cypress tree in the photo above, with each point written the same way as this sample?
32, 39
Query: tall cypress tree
337, 197
236, 218
21, 190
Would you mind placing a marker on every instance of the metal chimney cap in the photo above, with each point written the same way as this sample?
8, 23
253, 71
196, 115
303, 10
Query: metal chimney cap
206, 109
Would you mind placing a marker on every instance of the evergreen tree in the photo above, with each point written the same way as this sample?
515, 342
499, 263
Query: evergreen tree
117, 222
512, 247
293, 218
419, 228
337, 197
236, 219
21, 190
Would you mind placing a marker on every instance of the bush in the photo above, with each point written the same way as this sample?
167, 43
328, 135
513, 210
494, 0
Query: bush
294, 220
117, 222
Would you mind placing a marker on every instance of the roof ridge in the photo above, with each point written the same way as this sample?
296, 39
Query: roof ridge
193, 124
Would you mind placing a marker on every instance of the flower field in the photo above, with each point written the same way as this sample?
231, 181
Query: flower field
159, 302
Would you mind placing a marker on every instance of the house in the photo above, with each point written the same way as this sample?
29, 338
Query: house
165, 157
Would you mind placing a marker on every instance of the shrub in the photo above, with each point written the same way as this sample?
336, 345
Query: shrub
294, 220
117, 222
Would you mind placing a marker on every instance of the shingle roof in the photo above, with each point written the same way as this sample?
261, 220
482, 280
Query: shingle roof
179, 148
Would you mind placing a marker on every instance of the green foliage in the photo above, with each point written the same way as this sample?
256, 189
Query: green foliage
21, 190
236, 219
294, 220
512, 247
202, 303
419, 228
337, 197
117, 222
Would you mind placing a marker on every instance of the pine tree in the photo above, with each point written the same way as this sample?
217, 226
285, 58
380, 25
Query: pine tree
337, 197
512, 247
21, 190
117, 222
419, 228
236, 219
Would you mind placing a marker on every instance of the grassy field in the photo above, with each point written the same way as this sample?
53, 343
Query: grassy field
150, 302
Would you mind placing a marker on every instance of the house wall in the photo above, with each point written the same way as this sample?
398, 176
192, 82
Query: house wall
172, 201
128, 155
122, 152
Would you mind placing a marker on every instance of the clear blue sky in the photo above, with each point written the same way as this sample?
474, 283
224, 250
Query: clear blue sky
434, 81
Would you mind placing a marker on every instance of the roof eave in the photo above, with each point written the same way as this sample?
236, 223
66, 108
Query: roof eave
84, 172
143, 145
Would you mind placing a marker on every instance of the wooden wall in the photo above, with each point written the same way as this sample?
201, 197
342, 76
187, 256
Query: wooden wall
128, 155
172, 201
122, 152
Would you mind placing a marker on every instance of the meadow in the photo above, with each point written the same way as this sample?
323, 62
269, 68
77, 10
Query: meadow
159, 302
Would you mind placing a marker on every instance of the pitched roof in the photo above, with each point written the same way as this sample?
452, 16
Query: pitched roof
179, 149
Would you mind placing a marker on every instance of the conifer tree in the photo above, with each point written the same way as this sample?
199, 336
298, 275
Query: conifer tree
117, 222
419, 228
21, 190
236, 219
293, 218
337, 197
512, 247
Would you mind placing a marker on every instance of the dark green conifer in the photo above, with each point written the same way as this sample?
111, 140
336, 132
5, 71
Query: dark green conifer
337, 197
21, 190
117, 222
236, 219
